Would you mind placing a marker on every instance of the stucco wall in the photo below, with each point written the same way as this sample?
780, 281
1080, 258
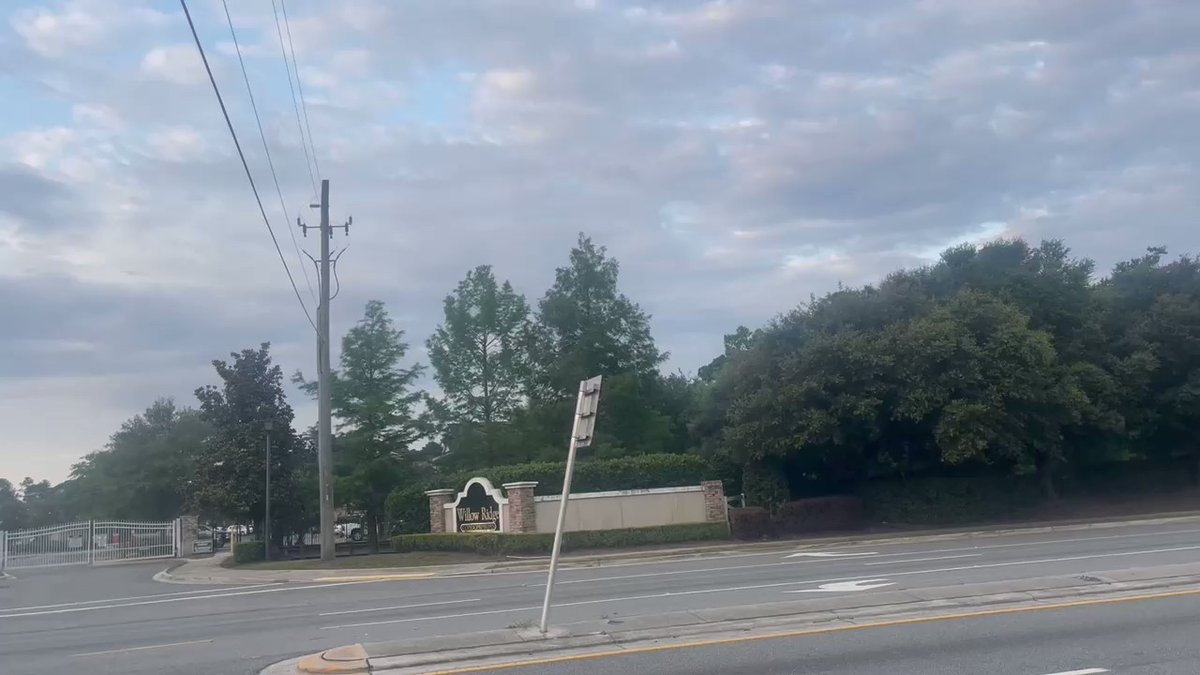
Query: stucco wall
626, 508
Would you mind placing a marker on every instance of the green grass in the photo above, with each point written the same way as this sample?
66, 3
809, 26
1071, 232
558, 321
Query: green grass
373, 561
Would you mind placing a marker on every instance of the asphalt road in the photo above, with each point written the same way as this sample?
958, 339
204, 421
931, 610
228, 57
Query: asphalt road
117, 620
1151, 637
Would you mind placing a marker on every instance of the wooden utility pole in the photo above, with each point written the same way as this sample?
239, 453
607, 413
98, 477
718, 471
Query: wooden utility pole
324, 376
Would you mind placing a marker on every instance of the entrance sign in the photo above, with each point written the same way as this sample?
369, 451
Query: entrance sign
479, 508
586, 406
202, 546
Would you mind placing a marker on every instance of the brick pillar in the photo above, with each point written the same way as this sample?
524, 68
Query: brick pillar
522, 515
189, 529
438, 499
715, 508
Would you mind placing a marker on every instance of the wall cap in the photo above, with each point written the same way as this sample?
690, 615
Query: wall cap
440, 493
621, 493
520, 484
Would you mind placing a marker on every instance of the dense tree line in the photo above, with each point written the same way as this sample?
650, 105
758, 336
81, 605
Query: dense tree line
1002, 359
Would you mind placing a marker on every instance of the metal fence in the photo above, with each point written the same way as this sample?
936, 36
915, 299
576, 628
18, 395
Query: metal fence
88, 542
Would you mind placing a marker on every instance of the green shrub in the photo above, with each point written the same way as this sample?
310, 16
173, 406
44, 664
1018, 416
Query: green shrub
637, 472
947, 501
541, 543
818, 514
248, 551
408, 511
764, 485
1119, 479
751, 523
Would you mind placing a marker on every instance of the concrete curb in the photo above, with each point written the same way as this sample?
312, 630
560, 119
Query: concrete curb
235, 576
493, 648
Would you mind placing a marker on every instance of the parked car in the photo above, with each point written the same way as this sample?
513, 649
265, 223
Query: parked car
352, 531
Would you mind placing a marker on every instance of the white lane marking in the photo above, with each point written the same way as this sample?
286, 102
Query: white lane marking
139, 649
138, 597
762, 586
70, 610
384, 609
915, 560
809, 562
1085, 671
829, 554
843, 586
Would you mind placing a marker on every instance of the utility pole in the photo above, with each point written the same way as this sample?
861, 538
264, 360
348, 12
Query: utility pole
267, 427
324, 402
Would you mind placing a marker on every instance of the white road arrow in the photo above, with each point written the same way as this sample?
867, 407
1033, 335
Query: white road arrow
829, 554
842, 586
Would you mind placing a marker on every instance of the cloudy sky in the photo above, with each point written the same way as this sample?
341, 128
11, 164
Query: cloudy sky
734, 155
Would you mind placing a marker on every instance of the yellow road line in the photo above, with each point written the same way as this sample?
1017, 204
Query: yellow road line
813, 631
378, 577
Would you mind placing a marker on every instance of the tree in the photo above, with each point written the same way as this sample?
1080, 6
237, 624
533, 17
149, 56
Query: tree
144, 472
43, 503
480, 357
13, 514
374, 401
588, 327
231, 465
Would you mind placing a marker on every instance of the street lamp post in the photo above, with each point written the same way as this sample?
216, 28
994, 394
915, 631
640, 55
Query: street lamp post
267, 426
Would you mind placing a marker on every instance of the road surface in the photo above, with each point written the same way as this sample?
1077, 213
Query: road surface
116, 620
1151, 637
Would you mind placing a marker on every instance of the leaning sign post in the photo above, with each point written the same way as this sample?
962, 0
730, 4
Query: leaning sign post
581, 436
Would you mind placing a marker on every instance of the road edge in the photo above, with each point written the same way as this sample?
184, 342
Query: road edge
236, 577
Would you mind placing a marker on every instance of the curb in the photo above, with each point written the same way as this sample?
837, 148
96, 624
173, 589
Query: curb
496, 649
667, 555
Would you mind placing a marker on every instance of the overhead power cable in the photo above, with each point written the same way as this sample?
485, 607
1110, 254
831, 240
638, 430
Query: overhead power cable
267, 151
225, 112
310, 159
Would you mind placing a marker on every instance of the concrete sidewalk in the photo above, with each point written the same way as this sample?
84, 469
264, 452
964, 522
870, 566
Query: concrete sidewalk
208, 570
509, 647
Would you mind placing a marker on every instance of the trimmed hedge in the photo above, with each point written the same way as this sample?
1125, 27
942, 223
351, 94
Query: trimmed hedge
496, 543
636, 472
819, 514
947, 501
751, 523
248, 551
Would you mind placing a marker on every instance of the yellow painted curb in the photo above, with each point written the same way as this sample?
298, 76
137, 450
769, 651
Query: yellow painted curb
378, 577
348, 659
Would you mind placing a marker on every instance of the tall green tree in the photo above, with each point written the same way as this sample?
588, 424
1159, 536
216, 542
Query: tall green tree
375, 403
481, 359
231, 465
588, 327
145, 470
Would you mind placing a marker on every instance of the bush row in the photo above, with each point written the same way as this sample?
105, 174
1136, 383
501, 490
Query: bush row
803, 516
951, 500
540, 543
248, 551
636, 472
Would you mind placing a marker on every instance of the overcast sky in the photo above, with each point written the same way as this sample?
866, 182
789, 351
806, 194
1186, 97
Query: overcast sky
734, 155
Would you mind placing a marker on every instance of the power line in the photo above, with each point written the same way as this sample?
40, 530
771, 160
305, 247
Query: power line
267, 151
245, 166
302, 103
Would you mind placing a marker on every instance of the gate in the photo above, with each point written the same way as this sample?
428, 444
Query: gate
87, 542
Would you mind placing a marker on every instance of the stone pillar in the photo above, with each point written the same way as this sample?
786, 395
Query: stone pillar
715, 508
189, 527
438, 499
522, 515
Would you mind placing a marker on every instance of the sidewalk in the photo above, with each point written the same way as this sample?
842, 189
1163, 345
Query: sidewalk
209, 571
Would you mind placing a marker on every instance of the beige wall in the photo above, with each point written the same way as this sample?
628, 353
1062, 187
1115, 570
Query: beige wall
627, 508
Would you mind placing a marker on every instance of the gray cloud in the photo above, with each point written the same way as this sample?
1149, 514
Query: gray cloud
735, 157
